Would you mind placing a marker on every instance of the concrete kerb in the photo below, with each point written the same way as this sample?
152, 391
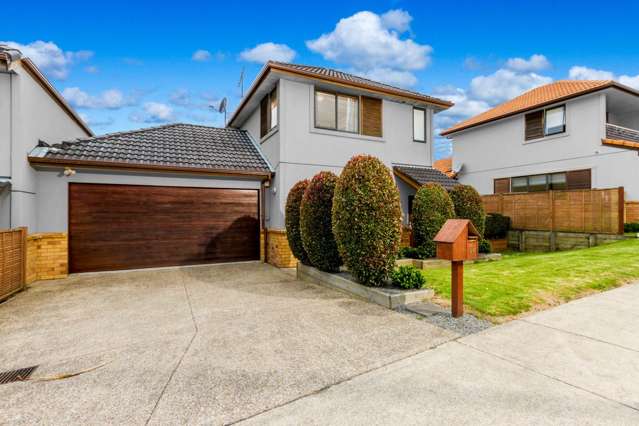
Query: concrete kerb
390, 298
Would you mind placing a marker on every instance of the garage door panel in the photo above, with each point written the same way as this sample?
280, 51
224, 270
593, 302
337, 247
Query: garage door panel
125, 226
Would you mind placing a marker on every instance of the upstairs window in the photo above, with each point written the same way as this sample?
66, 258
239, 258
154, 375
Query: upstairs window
268, 112
419, 125
336, 111
545, 122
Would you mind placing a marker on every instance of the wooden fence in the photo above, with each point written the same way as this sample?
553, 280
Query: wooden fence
13, 259
599, 211
632, 211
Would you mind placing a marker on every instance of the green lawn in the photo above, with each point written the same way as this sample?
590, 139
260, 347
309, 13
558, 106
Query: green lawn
522, 281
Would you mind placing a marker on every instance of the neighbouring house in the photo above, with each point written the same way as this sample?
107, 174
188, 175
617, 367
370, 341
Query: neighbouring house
183, 194
30, 110
307, 119
564, 135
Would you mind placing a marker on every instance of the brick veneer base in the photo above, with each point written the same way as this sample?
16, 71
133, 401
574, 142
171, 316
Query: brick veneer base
47, 256
279, 253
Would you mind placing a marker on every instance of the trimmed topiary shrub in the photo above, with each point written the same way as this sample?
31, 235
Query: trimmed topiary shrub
316, 222
468, 205
367, 219
432, 207
408, 277
292, 221
497, 226
411, 253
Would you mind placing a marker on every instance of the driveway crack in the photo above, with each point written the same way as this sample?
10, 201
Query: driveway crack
186, 350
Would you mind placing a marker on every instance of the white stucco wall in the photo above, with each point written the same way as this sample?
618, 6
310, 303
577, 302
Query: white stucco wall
34, 115
298, 150
53, 189
498, 150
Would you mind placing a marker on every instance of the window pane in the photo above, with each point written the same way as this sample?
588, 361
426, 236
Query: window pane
519, 184
419, 125
325, 110
555, 120
347, 114
558, 181
537, 183
274, 108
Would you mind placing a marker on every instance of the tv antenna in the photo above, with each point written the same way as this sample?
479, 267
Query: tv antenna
240, 83
221, 108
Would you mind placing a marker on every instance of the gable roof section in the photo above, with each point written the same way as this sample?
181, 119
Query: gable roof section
541, 96
34, 72
417, 176
330, 75
173, 147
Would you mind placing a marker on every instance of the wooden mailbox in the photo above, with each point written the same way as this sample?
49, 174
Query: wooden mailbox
458, 240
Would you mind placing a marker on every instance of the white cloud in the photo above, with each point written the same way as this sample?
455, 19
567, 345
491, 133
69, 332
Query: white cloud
52, 60
534, 63
585, 73
109, 99
389, 76
153, 112
269, 51
579, 72
370, 44
505, 84
201, 55
96, 122
185, 99
91, 69
397, 19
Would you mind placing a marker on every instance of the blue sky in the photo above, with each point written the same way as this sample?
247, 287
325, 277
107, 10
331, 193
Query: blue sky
126, 65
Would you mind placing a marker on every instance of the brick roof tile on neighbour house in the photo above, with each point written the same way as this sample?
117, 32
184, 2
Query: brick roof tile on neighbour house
417, 176
445, 165
536, 98
173, 147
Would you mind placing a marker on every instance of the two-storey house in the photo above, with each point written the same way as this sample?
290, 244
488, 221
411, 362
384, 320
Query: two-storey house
564, 135
308, 119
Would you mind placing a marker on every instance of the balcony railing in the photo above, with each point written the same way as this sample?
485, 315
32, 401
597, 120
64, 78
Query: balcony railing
621, 133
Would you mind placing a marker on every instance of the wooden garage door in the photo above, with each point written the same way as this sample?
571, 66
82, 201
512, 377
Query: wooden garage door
125, 226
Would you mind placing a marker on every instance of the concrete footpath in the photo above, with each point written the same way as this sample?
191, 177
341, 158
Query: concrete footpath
574, 364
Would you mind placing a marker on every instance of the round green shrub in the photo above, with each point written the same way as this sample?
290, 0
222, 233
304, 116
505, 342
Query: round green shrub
432, 207
316, 222
292, 221
468, 205
484, 246
497, 226
367, 219
408, 277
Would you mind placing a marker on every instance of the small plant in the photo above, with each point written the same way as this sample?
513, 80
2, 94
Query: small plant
432, 207
412, 253
292, 221
484, 246
631, 227
367, 219
497, 226
468, 205
408, 277
315, 222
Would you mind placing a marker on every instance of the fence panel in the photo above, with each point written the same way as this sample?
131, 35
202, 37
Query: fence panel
587, 210
632, 211
13, 244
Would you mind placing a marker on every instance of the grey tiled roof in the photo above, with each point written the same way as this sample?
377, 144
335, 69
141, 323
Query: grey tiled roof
172, 146
423, 175
346, 77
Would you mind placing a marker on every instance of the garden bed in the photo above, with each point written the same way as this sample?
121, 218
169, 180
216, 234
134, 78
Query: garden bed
389, 297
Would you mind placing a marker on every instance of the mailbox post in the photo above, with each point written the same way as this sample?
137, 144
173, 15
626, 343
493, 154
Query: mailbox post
458, 240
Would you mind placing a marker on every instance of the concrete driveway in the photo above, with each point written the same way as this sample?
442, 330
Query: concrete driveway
210, 344
575, 364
